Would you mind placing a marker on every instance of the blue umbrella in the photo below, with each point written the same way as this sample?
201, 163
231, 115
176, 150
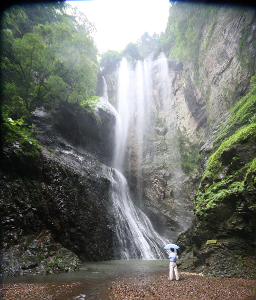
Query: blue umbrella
169, 246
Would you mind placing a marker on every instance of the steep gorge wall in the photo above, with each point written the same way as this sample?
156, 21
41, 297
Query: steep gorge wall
203, 90
226, 62
158, 185
211, 91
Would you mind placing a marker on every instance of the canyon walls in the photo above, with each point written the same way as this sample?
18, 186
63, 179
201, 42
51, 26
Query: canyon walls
187, 127
189, 155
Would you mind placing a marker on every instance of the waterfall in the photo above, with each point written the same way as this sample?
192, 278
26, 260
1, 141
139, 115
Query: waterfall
134, 105
162, 66
103, 101
143, 88
136, 237
125, 112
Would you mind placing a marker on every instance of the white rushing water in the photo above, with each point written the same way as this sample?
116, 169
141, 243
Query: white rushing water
162, 65
103, 101
125, 111
136, 237
134, 105
143, 89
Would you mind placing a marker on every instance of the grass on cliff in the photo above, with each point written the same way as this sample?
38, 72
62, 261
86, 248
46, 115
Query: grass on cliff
214, 188
214, 163
241, 125
190, 31
19, 136
181, 39
242, 113
251, 172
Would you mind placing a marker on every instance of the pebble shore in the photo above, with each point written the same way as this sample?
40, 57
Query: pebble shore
190, 286
157, 286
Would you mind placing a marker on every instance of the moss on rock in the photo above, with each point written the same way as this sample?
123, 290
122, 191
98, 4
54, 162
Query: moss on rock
229, 169
241, 114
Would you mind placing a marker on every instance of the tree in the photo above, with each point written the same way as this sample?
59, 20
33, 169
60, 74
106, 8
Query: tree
32, 58
181, 39
51, 62
131, 50
148, 45
109, 60
26, 16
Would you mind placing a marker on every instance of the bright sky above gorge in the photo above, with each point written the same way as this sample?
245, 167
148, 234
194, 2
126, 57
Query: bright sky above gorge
120, 22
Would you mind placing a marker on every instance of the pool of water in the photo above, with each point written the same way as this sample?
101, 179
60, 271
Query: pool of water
97, 276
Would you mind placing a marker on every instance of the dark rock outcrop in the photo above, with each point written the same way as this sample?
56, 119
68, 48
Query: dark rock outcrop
39, 254
62, 191
70, 126
225, 212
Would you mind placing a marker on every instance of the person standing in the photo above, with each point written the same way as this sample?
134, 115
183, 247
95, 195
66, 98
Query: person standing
173, 265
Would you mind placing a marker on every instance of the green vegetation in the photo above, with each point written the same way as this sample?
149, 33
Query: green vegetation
109, 60
241, 135
131, 52
214, 188
182, 37
211, 28
242, 113
251, 176
159, 121
216, 193
189, 152
147, 45
220, 182
47, 56
190, 29
18, 135
244, 52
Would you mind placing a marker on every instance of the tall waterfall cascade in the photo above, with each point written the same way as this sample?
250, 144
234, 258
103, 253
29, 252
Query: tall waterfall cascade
135, 236
103, 101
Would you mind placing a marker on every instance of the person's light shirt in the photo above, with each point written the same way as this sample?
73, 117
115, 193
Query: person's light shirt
173, 256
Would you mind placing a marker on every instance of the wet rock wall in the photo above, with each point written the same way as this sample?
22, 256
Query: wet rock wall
54, 205
202, 95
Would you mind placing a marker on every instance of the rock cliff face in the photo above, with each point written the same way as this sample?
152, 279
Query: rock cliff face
201, 98
225, 212
70, 126
224, 204
60, 197
158, 184
204, 93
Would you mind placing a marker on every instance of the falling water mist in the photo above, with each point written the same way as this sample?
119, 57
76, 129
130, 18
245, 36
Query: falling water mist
136, 237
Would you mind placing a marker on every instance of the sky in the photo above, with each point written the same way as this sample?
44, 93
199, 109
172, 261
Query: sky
119, 22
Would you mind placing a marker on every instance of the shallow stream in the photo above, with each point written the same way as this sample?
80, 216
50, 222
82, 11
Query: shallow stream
94, 281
